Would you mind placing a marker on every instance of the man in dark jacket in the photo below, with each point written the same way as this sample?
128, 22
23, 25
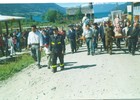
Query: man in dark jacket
133, 38
57, 49
72, 38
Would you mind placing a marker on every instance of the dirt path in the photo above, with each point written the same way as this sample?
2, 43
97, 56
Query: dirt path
101, 76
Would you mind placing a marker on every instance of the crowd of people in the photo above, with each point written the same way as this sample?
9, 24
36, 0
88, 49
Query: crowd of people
110, 32
53, 39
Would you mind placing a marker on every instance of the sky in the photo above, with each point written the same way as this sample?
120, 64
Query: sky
81, 3
61, 1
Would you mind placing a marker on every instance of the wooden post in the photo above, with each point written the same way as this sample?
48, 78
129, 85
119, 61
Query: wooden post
7, 32
0, 28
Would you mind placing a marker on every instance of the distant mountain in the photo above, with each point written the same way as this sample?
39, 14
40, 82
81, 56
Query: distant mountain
38, 9
107, 7
29, 8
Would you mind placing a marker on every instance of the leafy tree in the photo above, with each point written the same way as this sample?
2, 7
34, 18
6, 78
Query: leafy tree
78, 14
52, 15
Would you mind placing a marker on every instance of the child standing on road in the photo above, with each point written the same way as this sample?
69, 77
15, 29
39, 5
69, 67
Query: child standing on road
46, 39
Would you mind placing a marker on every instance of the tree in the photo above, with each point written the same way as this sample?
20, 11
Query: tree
78, 14
52, 15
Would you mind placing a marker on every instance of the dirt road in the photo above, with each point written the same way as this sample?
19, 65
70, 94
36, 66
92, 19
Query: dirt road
102, 76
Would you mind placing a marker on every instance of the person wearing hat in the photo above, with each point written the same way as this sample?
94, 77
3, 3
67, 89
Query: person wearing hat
109, 35
57, 48
35, 41
72, 38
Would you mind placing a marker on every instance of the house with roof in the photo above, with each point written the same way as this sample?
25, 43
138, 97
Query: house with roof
7, 19
84, 9
136, 11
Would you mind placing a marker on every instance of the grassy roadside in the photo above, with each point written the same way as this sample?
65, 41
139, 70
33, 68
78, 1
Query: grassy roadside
9, 69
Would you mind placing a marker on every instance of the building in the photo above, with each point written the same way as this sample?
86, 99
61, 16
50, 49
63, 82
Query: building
6, 19
136, 11
84, 9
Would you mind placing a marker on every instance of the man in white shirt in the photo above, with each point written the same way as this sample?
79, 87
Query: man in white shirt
35, 41
89, 35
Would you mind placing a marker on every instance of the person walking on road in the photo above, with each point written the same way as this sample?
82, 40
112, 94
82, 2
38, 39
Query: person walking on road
102, 34
57, 48
88, 34
109, 35
133, 38
72, 38
63, 33
36, 42
96, 35
46, 42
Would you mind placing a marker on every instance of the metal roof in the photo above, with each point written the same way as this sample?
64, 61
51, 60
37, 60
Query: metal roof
103, 19
10, 18
84, 10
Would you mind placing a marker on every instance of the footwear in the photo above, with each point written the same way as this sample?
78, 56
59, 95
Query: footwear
92, 54
133, 54
48, 67
39, 66
62, 67
54, 70
35, 59
88, 53
110, 52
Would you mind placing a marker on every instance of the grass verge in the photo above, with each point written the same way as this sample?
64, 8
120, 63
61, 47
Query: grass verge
9, 69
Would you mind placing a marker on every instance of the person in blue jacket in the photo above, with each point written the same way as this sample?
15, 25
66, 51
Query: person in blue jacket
72, 38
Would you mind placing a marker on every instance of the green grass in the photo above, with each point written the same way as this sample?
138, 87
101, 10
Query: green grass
9, 69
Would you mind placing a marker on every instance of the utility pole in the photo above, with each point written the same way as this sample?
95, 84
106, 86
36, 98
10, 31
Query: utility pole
132, 16
117, 6
7, 33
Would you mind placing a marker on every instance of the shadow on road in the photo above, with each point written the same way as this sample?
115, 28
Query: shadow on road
69, 63
78, 51
80, 67
81, 51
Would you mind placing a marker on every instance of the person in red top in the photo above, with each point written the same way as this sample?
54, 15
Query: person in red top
1, 44
63, 33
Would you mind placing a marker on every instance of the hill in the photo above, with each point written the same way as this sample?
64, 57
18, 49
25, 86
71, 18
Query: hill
107, 7
29, 8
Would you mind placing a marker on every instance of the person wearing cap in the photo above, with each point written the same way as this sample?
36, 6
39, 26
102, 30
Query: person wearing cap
72, 38
57, 48
109, 35
36, 43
